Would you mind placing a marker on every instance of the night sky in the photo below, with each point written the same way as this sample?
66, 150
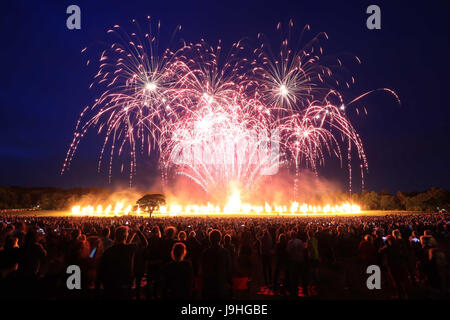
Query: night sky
44, 80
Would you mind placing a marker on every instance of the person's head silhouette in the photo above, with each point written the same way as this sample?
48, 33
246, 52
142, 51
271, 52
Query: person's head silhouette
214, 237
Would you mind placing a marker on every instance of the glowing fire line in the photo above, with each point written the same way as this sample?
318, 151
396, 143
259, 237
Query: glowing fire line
233, 206
208, 209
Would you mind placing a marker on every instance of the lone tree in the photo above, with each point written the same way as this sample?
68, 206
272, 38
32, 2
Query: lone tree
151, 202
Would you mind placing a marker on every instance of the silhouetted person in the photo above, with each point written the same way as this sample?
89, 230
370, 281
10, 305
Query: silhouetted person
167, 243
194, 251
229, 246
32, 256
10, 252
9, 262
116, 267
281, 261
368, 251
216, 268
434, 264
178, 276
297, 264
265, 248
245, 253
154, 263
182, 236
396, 266
19, 232
312, 245
106, 240
140, 259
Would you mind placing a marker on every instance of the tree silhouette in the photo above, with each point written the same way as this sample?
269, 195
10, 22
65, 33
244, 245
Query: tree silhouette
151, 202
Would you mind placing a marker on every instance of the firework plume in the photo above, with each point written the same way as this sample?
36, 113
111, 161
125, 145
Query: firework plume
220, 119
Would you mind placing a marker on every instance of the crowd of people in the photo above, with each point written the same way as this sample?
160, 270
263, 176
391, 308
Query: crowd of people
132, 257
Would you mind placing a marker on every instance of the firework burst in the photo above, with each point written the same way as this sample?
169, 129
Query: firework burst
216, 118
134, 77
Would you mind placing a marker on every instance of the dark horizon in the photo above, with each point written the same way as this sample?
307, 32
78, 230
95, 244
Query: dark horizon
44, 83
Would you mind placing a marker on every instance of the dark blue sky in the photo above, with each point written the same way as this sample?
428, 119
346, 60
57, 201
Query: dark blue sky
44, 80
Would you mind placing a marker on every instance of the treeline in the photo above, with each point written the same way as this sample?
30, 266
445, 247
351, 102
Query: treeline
43, 198
59, 199
429, 200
